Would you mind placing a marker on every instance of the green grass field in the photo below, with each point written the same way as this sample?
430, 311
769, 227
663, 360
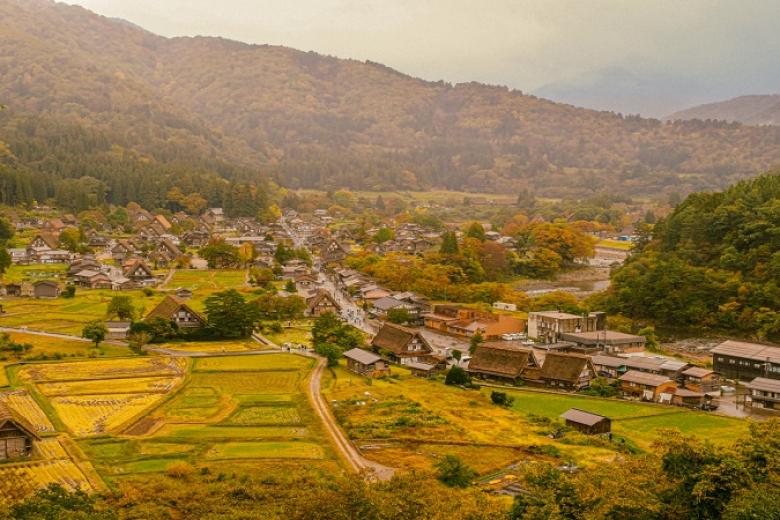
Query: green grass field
231, 408
209, 280
413, 422
34, 272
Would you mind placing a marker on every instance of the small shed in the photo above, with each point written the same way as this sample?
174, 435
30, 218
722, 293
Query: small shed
118, 329
46, 289
423, 369
586, 422
16, 435
183, 293
366, 363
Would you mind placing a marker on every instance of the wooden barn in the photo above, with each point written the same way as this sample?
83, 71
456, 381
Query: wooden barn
17, 436
586, 422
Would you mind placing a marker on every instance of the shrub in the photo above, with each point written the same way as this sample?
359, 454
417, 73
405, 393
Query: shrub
452, 472
501, 399
180, 470
457, 376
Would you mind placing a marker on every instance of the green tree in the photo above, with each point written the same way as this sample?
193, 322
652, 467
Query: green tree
399, 315
385, 234
651, 340
475, 230
290, 286
449, 243
475, 341
56, 503
229, 315
220, 255
452, 472
122, 307
69, 291
456, 376
95, 331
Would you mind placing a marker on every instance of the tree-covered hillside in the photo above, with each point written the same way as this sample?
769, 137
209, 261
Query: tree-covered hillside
714, 263
309, 120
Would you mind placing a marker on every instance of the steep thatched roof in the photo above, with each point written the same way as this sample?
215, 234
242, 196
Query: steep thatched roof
395, 338
167, 308
563, 367
501, 359
9, 415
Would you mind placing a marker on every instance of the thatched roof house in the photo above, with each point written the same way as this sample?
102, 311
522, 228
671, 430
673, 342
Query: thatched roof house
568, 371
16, 434
502, 360
175, 310
401, 345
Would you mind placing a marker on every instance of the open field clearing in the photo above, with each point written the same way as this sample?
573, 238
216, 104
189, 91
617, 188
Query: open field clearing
623, 245
214, 347
265, 450
87, 415
410, 423
103, 369
232, 408
301, 336
638, 422
23, 403
34, 272
137, 385
67, 315
253, 363
208, 280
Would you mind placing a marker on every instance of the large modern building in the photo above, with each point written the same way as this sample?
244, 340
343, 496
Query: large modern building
549, 327
746, 361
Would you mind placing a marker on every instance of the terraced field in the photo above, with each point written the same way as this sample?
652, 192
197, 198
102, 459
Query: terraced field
102, 396
247, 410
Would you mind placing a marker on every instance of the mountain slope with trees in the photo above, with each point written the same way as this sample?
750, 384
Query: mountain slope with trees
114, 94
714, 263
748, 110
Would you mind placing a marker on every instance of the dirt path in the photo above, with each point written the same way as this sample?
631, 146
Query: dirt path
167, 279
356, 461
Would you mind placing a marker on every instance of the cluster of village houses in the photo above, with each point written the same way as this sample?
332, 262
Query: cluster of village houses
553, 350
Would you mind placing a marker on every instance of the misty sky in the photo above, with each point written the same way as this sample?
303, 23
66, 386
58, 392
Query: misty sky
651, 56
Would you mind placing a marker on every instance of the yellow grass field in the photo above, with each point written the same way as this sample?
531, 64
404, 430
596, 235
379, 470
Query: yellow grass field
88, 415
252, 363
103, 369
22, 403
137, 385
214, 347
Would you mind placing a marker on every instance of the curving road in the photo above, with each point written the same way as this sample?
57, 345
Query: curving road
372, 470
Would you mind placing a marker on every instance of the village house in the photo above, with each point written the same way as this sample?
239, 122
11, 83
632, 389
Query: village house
502, 360
118, 329
611, 367
746, 361
213, 217
82, 264
17, 435
608, 341
401, 345
333, 252
702, 380
92, 279
183, 293
586, 422
466, 322
321, 303
196, 237
122, 250
648, 387
566, 371
366, 363
141, 274
178, 312
764, 393
306, 281
46, 289
165, 253
549, 326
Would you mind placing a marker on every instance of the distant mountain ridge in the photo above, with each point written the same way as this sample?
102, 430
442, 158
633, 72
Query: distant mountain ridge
307, 120
748, 110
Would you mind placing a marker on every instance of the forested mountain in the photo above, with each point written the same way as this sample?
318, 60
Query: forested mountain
88, 95
748, 110
713, 263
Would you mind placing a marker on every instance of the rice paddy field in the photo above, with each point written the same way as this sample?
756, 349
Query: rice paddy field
44, 347
67, 315
404, 421
246, 412
213, 347
97, 397
208, 279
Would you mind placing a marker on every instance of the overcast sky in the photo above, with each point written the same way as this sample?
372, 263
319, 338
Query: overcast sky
655, 54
